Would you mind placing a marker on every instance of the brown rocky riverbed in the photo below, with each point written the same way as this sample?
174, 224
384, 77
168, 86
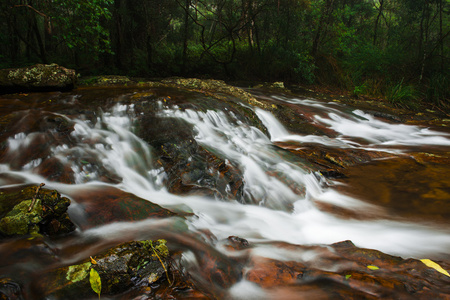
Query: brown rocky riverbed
189, 188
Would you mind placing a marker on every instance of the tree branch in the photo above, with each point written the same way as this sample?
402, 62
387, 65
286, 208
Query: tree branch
33, 9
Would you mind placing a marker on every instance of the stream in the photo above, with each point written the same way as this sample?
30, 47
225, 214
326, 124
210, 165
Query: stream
226, 168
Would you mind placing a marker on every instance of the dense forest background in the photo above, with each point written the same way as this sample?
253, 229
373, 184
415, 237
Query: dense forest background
396, 49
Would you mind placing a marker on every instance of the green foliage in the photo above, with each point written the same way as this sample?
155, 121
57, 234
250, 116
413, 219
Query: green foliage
96, 282
305, 67
402, 95
362, 46
81, 24
438, 90
360, 90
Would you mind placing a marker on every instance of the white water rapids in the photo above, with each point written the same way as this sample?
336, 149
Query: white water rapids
112, 142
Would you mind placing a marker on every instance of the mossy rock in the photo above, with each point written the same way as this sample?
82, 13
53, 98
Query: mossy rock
124, 267
48, 215
214, 86
37, 78
20, 221
107, 80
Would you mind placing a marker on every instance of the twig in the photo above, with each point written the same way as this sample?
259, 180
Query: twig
35, 196
167, 274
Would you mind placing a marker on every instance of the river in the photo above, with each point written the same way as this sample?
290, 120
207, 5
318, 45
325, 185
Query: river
91, 143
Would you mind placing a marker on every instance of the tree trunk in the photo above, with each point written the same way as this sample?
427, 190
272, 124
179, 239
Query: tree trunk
441, 37
322, 22
119, 34
376, 22
37, 33
149, 52
185, 37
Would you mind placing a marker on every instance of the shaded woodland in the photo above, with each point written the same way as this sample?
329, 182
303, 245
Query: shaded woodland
396, 49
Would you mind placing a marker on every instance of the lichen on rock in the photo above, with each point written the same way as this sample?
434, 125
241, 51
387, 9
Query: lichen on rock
37, 78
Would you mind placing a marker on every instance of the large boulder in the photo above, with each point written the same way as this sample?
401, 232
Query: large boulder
37, 78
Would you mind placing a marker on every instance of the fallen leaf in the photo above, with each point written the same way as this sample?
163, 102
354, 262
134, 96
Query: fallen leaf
93, 261
96, 283
432, 264
370, 267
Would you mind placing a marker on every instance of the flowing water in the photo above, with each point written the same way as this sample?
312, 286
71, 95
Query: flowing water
94, 138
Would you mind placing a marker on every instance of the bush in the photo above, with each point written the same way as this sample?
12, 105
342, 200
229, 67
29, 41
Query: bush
402, 95
438, 92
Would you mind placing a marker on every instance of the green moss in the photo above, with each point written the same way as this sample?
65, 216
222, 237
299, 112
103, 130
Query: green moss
159, 246
19, 221
78, 272
162, 248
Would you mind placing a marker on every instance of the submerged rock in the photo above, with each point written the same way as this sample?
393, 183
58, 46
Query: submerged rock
33, 210
37, 78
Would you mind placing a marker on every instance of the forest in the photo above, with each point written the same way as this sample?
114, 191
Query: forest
397, 50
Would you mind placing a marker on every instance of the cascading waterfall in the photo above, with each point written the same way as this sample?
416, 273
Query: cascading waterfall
306, 224
112, 144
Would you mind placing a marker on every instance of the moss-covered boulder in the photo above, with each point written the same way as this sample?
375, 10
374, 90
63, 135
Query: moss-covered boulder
33, 210
37, 78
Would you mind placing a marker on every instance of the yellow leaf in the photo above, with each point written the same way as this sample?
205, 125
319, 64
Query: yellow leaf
432, 264
96, 283
370, 267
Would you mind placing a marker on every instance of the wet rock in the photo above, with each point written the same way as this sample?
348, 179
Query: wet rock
332, 162
105, 205
33, 210
215, 86
37, 78
344, 271
413, 188
134, 270
190, 168
237, 243
10, 290
269, 273
297, 121
131, 265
